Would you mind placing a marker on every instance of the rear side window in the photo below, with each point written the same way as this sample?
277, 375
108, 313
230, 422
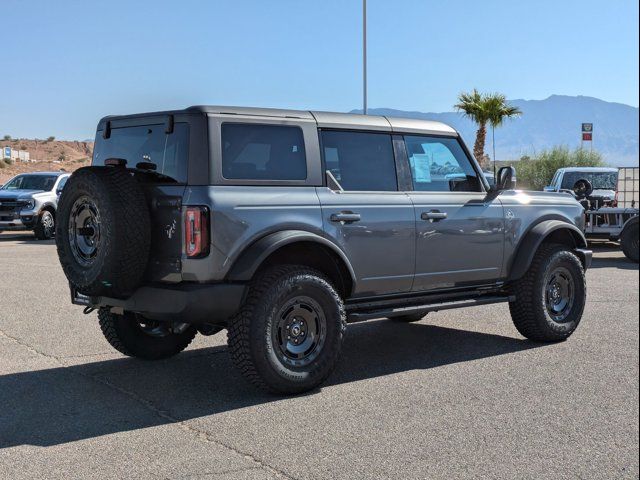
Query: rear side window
149, 143
263, 152
440, 165
360, 161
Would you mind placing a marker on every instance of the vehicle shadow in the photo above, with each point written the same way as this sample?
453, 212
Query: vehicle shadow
616, 260
24, 238
59, 405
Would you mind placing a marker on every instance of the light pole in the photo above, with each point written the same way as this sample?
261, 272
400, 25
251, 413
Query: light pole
364, 56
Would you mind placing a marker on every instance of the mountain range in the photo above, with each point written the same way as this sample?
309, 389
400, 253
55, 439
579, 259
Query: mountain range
546, 123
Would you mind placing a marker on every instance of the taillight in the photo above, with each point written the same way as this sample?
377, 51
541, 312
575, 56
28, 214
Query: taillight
196, 228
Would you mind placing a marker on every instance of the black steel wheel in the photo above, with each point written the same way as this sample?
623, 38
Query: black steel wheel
84, 230
288, 334
299, 331
559, 293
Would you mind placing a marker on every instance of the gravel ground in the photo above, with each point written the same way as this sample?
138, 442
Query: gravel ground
457, 395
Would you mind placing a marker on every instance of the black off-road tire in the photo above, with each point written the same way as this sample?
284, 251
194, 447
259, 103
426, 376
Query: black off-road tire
125, 334
45, 226
122, 242
629, 243
251, 333
529, 310
413, 317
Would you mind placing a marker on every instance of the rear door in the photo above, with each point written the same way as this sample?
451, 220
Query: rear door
167, 150
460, 229
369, 218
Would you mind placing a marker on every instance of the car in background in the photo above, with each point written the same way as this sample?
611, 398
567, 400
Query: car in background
29, 202
596, 188
603, 181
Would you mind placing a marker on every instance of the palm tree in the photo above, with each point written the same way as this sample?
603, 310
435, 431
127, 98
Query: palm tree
485, 109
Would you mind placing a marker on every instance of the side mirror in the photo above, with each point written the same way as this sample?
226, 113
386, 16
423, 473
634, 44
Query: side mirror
58, 191
506, 179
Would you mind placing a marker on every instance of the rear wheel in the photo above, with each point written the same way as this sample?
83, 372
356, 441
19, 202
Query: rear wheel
45, 226
287, 336
629, 243
135, 336
551, 296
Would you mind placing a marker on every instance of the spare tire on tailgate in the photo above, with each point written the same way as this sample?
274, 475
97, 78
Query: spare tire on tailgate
103, 232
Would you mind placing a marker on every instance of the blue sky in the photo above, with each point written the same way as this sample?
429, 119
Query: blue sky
67, 63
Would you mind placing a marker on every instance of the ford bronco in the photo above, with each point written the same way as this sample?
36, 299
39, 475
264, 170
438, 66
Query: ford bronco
282, 226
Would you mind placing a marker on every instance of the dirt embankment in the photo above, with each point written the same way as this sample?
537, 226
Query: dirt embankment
51, 155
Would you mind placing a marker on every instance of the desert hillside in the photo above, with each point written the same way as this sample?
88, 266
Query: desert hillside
46, 155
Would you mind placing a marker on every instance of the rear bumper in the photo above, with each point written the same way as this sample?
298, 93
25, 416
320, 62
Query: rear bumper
585, 257
189, 303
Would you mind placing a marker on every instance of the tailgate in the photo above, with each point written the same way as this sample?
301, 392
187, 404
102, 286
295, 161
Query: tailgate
165, 208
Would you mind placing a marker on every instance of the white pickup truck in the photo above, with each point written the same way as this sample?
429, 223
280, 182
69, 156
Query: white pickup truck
609, 196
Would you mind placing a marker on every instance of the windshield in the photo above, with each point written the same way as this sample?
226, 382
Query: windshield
599, 180
30, 182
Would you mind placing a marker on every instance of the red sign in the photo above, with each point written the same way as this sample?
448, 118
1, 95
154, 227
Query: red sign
587, 137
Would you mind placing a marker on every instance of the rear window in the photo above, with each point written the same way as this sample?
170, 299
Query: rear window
360, 161
149, 143
599, 180
263, 152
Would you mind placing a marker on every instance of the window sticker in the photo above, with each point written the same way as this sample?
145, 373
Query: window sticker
421, 166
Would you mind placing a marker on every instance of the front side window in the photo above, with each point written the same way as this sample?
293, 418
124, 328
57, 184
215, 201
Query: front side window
148, 144
360, 161
263, 152
440, 165
62, 183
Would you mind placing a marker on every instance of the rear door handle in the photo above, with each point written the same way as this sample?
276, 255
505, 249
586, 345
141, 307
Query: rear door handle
433, 215
345, 217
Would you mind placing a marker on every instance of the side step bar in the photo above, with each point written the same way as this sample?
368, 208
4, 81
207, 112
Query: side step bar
432, 307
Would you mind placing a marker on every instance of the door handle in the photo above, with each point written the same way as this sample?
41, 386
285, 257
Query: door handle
433, 215
346, 217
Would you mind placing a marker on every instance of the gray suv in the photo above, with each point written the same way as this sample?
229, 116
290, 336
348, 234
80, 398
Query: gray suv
282, 226
29, 202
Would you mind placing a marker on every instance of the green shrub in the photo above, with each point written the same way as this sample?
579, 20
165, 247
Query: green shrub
51, 139
537, 172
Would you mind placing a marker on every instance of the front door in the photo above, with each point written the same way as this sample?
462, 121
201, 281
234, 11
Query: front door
369, 218
460, 230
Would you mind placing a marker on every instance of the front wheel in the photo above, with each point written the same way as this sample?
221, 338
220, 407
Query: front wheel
551, 296
287, 337
135, 336
45, 226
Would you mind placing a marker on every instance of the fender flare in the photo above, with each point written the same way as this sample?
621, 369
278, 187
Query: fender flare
47, 205
252, 257
534, 238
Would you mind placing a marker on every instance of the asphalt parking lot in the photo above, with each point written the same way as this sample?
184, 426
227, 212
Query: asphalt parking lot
458, 395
